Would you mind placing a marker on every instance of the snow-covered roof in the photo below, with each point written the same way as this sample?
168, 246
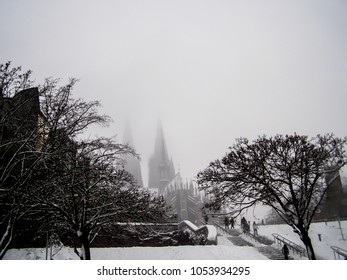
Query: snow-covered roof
191, 225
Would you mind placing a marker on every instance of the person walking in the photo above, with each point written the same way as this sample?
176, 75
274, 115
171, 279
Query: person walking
244, 225
232, 222
255, 229
285, 252
226, 222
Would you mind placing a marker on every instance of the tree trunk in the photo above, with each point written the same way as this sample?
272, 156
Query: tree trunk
6, 238
308, 244
85, 245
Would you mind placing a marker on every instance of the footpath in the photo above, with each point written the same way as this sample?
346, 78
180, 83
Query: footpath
260, 243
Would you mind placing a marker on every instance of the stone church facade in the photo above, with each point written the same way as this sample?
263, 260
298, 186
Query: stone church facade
183, 197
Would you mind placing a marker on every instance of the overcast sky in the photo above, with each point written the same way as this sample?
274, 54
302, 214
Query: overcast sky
211, 71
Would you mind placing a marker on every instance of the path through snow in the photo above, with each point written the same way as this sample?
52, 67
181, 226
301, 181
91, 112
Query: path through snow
225, 250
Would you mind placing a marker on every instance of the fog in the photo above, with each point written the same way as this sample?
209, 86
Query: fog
210, 71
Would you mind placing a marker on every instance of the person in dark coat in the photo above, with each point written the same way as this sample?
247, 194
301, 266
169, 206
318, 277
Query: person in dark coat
255, 228
232, 222
244, 225
226, 222
285, 251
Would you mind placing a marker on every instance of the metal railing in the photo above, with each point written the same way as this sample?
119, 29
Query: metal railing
292, 246
220, 230
339, 253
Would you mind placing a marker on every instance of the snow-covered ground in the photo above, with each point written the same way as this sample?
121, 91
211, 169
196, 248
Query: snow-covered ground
225, 250
331, 235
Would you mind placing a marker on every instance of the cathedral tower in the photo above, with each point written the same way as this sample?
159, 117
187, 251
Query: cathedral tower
161, 168
132, 164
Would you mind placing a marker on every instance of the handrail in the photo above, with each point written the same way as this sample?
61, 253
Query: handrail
293, 246
220, 228
339, 252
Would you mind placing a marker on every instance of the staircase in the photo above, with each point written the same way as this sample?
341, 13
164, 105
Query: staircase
234, 232
261, 239
264, 247
239, 241
272, 253
236, 238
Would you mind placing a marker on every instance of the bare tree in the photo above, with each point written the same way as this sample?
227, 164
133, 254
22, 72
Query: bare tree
19, 151
50, 174
76, 191
83, 185
284, 172
89, 190
13, 80
65, 113
70, 183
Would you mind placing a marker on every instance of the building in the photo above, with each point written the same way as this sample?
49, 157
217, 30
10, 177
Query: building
132, 163
185, 199
21, 117
334, 203
23, 130
161, 168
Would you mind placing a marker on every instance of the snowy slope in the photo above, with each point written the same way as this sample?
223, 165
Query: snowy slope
330, 236
225, 250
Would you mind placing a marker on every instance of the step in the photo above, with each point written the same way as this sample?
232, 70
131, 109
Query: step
234, 232
239, 241
261, 239
272, 253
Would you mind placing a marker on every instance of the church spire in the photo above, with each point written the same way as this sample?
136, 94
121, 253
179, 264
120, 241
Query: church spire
160, 148
132, 164
161, 170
